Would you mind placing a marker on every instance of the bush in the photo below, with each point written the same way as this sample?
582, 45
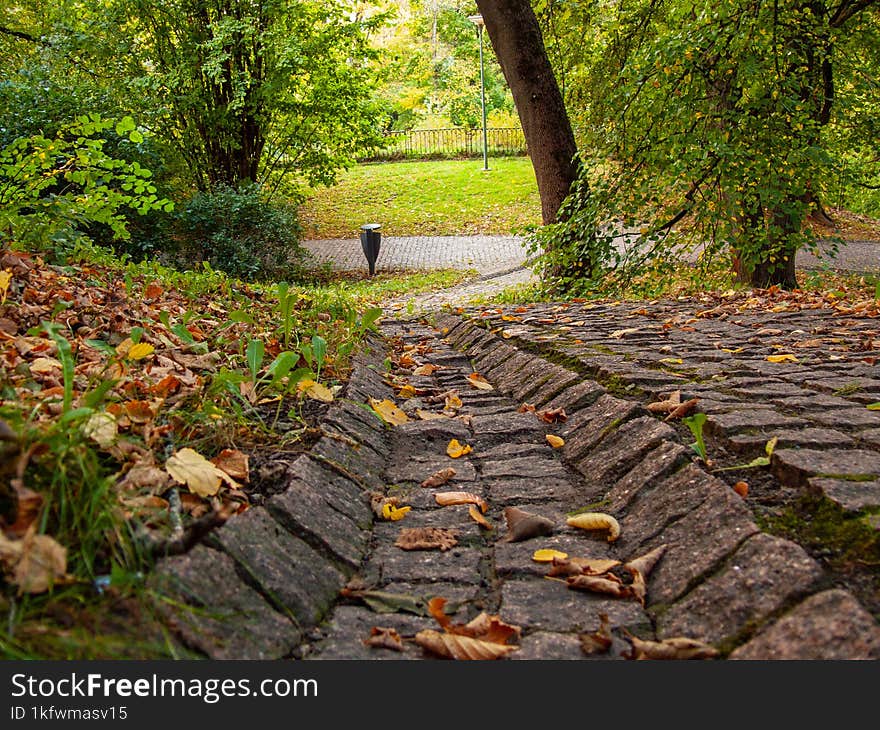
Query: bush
234, 230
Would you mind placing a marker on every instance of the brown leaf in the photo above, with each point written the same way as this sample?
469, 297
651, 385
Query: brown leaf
640, 568
607, 583
581, 566
427, 369
678, 647
478, 381
477, 517
445, 499
426, 538
596, 521
522, 525
526, 408
34, 563
234, 463
742, 489
430, 415
454, 646
439, 478
384, 638
683, 410
552, 415
599, 641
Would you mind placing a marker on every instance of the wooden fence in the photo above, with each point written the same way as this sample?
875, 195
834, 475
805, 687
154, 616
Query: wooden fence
450, 143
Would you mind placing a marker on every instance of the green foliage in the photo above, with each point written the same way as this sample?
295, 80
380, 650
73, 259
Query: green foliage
52, 188
695, 424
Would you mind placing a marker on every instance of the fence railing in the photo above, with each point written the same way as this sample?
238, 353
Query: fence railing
450, 142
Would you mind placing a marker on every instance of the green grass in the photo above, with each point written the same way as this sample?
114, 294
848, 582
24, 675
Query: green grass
441, 197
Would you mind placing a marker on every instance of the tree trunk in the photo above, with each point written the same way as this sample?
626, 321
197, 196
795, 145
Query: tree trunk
516, 38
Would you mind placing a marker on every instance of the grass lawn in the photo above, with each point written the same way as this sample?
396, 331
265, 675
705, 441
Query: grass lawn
439, 197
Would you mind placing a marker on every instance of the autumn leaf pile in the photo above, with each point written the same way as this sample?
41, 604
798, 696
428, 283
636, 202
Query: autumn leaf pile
129, 390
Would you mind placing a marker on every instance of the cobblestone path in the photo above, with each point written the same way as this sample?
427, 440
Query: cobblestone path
275, 577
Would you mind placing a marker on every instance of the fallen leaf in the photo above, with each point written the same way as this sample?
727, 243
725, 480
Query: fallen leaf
153, 291
140, 351
552, 415
35, 563
428, 369
477, 517
547, 555
454, 449
384, 638
45, 366
581, 566
393, 513
446, 499
439, 478
315, 391
599, 641
199, 475
526, 408
452, 402
596, 521
234, 463
685, 409
782, 358
140, 411
522, 525
407, 392
388, 412
555, 441
640, 568
430, 415
618, 334
478, 381
101, 428
385, 602
426, 538
607, 583
678, 647
454, 646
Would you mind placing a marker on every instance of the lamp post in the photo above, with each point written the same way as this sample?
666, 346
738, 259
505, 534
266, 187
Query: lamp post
478, 21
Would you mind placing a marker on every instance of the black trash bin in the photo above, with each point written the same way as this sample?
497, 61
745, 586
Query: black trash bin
370, 240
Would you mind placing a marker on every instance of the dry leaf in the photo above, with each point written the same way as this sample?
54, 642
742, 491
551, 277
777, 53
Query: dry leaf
552, 415
439, 478
446, 499
407, 392
384, 638
35, 563
617, 334
428, 369
599, 641
607, 583
555, 441
596, 521
546, 555
788, 357
454, 646
199, 475
452, 402
679, 647
234, 463
45, 366
478, 381
477, 517
426, 538
685, 409
388, 412
640, 568
742, 489
522, 525
526, 408
581, 566
101, 428
454, 449
315, 391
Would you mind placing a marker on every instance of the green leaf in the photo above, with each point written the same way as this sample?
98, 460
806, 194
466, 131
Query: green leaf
183, 333
239, 315
124, 125
136, 334
255, 351
96, 395
873, 406
135, 136
370, 316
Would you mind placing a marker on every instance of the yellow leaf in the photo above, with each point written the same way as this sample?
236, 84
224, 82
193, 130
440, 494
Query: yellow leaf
672, 360
101, 428
546, 555
123, 347
388, 412
454, 449
5, 280
555, 441
315, 391
407, 391
427, 369
140, 351
199, 475
478, 381
390, 512
452, 402
430, 415
45, 365
596, 521
782, 358
732, 351
477, 517
873, 406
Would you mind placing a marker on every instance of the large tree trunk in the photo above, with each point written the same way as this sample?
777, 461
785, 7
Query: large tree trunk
516, 38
